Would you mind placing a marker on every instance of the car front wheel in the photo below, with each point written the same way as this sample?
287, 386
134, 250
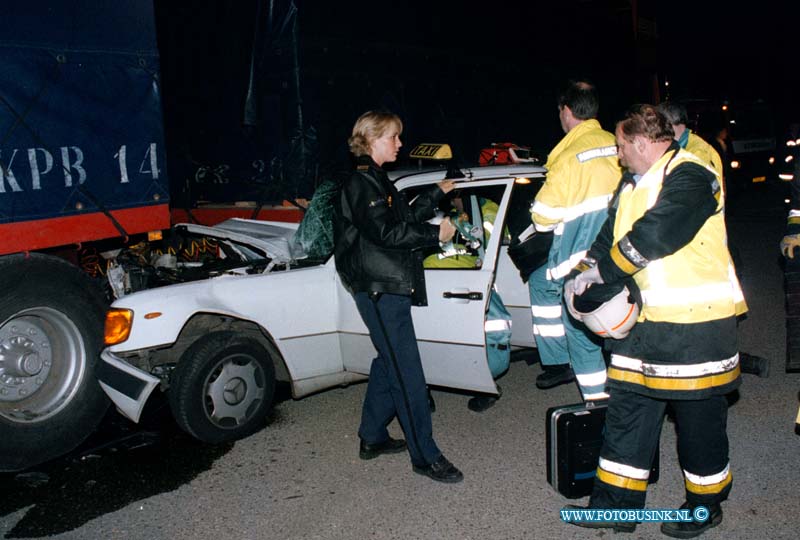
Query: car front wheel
222, 387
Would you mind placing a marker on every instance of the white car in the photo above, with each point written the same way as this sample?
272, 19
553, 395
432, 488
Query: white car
218, 345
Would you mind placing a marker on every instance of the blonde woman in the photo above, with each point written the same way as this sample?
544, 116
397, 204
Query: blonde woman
378, 237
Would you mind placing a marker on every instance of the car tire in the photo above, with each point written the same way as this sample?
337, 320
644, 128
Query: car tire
51, 329
222, 388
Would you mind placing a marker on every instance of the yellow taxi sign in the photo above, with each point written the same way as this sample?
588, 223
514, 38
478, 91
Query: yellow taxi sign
431, 151
757, 179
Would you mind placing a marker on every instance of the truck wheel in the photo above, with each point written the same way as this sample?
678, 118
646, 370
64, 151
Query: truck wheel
222, 387
51, 327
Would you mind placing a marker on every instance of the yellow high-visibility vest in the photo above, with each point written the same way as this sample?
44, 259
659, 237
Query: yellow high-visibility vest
697, 283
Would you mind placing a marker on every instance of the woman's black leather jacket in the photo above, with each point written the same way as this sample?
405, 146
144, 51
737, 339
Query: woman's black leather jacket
379, 236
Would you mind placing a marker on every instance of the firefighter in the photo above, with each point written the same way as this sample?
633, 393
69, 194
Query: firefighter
678, 117
582, 172
666, 229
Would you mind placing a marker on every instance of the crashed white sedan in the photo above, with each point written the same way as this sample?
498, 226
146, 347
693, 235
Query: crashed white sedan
217, 345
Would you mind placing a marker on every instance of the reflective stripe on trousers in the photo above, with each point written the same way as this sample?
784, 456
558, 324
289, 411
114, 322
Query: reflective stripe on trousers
558, 341
632, 432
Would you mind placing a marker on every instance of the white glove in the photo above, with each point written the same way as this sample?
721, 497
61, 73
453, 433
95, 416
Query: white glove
788, 245
586, 279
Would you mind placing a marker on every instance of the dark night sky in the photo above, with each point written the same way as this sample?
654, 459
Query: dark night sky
741, 49
719, 49
464, 72
715, 50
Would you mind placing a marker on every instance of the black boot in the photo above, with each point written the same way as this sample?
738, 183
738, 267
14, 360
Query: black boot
389, 446
440, 470
554, 375
484, 401
690, 529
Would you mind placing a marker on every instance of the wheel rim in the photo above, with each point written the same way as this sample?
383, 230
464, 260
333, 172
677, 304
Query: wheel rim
42, 364
233, 390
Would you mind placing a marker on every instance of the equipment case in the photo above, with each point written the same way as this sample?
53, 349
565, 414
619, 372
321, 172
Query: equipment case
574, 439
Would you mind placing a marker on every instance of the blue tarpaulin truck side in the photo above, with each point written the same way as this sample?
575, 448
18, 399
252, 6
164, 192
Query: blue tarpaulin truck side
81, 162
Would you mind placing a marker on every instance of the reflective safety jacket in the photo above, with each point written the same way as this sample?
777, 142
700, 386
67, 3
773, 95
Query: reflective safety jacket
582, 172
459, 257
667, 230
700, 148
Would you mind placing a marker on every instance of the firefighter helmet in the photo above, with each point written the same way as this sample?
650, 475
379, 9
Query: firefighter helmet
611, 319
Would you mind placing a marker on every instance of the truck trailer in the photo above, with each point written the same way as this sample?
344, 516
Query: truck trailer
83, 178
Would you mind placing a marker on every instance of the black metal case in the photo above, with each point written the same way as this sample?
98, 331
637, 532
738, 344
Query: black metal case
574, 439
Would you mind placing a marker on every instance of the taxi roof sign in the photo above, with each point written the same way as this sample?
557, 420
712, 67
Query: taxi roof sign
431, 151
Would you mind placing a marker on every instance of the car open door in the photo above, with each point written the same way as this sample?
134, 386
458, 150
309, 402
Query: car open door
450, 329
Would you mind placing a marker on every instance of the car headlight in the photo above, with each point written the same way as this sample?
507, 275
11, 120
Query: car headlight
118, 325
734, 164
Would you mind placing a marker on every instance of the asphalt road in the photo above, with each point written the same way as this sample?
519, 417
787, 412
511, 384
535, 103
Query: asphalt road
300, 478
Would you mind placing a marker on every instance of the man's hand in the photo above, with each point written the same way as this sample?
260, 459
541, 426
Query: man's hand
586, 279
789, 243
447, 186
446, 230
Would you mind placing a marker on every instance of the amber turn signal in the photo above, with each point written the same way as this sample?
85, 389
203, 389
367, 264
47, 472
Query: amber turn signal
118, 325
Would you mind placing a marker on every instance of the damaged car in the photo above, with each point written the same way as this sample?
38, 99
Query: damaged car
269, 306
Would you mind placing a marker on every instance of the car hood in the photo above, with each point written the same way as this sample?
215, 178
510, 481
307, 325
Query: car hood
273, 238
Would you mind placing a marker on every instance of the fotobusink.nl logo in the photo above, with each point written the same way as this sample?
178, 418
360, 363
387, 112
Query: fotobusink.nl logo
637, 515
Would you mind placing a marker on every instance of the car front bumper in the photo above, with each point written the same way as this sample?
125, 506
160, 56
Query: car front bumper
128, 387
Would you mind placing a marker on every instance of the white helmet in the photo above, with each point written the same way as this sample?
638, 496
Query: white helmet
611, 319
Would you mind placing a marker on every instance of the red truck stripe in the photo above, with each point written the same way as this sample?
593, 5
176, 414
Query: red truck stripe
62, 231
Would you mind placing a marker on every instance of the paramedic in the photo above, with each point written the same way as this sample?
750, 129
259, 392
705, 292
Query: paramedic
582, 172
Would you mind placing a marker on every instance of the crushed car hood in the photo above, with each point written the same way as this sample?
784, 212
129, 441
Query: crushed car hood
273, 238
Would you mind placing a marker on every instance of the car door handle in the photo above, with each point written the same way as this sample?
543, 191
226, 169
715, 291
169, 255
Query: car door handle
468, 295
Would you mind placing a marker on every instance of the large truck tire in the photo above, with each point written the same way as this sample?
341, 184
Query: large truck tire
51, 328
